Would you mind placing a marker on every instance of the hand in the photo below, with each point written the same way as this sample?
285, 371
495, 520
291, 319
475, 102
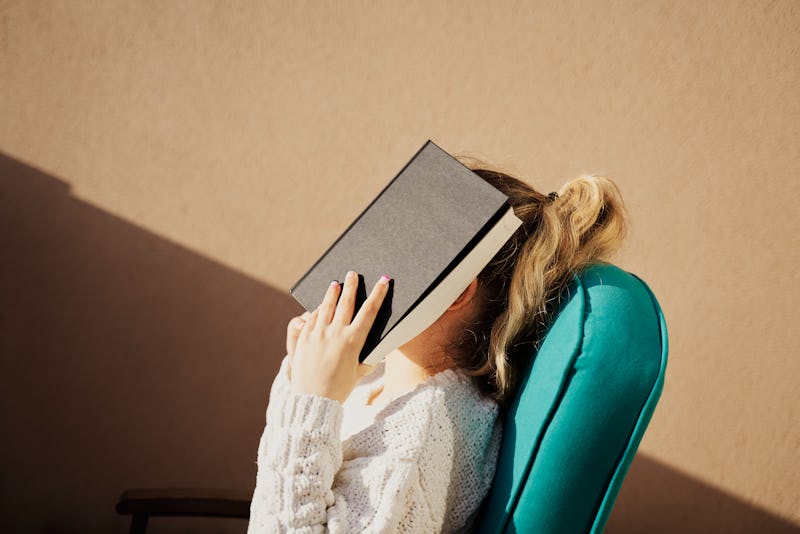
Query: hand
323, 346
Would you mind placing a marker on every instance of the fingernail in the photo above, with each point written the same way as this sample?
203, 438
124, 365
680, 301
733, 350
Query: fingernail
334, 283
351, 274
384, 279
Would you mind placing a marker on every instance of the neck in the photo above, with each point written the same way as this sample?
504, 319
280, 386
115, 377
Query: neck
404, 369
401, 370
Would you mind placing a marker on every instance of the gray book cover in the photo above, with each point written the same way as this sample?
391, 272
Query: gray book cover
416, 230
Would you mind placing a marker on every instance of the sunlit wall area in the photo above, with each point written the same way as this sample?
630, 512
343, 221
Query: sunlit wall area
169, 169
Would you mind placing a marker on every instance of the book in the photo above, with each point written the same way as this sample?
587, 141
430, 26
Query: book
432, 229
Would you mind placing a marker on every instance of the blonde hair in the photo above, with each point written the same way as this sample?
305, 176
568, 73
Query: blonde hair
521, 288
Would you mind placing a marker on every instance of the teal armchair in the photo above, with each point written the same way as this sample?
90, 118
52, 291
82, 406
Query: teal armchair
570, 432
584, 403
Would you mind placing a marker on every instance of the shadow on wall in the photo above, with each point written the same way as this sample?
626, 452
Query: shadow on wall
131, 361
657, 498
128, 361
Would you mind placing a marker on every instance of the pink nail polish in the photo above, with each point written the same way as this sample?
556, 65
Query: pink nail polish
384, 279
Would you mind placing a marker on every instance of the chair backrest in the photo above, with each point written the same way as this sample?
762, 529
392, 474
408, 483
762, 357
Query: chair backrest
584, 402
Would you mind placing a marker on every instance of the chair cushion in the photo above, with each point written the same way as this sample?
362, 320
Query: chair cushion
582, 407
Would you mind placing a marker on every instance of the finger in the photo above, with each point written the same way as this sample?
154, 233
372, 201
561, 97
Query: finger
369, 310
310, 323
344, 309
295, 325
293, 330
328, 303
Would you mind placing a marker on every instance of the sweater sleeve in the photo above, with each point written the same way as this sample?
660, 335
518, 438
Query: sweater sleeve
300, 455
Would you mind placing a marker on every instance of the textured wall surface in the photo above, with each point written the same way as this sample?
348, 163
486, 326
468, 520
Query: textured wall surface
169, 169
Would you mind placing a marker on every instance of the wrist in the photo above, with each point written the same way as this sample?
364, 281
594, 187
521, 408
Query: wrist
327, 392
307, 412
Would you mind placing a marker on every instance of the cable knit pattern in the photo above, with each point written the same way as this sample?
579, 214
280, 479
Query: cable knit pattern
421, 463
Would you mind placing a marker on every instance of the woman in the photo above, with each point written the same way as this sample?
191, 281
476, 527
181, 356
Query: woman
411, 445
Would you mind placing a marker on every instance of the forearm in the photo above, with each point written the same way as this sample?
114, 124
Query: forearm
298, 457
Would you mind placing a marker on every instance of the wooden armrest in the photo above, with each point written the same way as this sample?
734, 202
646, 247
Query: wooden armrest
185, 502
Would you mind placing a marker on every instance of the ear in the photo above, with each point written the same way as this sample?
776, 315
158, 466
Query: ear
465, 297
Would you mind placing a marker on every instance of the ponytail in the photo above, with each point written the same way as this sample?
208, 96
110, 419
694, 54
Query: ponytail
519, 290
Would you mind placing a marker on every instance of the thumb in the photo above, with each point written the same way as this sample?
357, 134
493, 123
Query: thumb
293, 330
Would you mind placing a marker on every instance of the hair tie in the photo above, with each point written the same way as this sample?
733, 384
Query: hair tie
552, 196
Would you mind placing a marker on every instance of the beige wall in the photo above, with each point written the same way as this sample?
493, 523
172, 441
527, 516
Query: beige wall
169, 169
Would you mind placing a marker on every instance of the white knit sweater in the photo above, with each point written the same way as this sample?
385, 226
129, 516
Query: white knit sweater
421, 463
